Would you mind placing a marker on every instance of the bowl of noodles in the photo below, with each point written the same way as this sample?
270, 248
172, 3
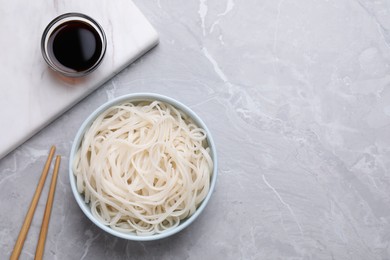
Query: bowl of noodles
143, 166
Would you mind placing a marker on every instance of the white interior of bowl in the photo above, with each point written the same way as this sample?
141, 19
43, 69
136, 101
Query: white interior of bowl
136, 98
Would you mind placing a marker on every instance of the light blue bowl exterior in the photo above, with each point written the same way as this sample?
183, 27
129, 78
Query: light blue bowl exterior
134, 98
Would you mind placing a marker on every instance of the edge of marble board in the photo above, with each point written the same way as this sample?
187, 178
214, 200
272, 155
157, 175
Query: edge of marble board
153, 43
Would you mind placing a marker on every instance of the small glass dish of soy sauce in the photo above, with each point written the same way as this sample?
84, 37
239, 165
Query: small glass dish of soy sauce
73, 44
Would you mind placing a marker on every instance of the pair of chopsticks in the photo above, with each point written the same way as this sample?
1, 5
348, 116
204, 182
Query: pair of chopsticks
30, 213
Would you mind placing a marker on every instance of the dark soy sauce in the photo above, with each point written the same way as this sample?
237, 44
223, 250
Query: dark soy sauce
75, 46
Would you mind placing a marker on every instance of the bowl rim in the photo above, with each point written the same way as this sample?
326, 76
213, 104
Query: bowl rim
134, 97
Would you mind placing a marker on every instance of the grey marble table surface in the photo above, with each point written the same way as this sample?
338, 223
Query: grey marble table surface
297, 96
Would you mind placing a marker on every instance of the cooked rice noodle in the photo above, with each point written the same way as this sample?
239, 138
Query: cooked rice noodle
143, 167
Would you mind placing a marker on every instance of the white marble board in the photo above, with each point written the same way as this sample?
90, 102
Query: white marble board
31, 94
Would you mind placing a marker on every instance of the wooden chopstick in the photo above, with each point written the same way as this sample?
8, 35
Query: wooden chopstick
30, 213
46, 216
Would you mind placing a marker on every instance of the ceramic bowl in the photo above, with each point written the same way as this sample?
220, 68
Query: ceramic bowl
136, 98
